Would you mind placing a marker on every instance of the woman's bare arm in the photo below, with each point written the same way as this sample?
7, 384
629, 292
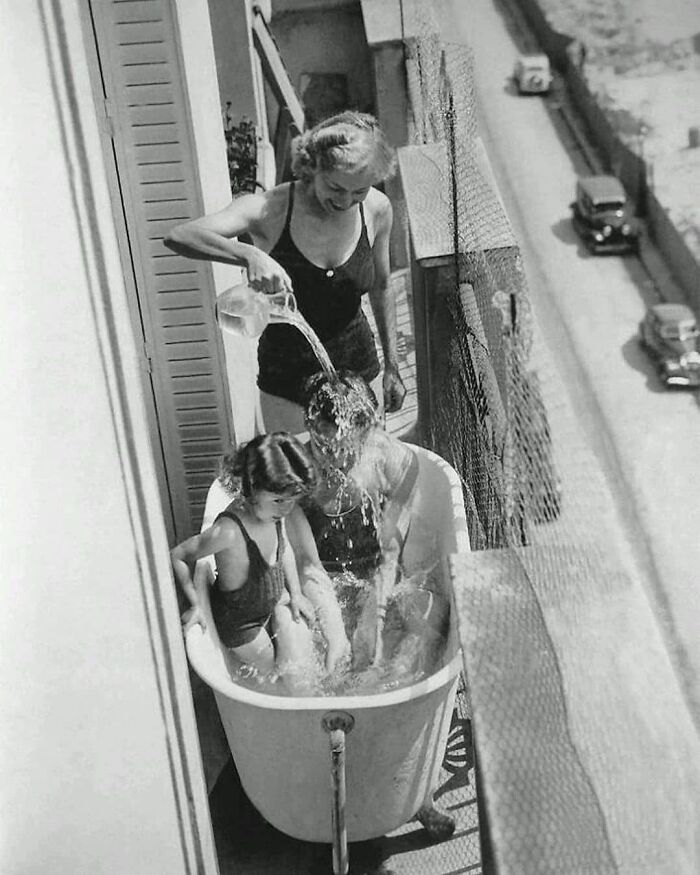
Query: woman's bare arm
383, 304
212, 238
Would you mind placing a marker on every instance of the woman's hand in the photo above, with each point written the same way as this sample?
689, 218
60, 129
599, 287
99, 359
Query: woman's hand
394, 389
193, 617
265, 274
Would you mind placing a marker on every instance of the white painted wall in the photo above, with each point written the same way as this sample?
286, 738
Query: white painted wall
325, 38
205, 108
96, 773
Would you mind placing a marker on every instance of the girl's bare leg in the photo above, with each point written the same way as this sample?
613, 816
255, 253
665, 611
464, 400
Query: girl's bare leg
318, 589
296, 659
258, 653
279, 414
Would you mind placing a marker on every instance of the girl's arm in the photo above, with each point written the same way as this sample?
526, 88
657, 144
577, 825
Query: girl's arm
209, 238
183, 559
383, 304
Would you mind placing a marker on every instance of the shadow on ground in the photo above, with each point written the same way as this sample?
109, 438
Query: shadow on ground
248, 845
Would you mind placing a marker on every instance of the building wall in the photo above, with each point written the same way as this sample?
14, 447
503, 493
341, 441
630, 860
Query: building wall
202, 80
315, 5
230, 26
96, 772
326, 40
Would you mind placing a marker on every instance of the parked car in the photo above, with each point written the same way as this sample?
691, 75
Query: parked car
669, 334
604, 216
532, 74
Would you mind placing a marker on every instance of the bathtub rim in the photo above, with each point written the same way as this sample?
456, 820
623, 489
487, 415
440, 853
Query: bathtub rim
270, 701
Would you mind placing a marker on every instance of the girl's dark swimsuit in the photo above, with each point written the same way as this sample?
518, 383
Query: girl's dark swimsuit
330, 301
240, 614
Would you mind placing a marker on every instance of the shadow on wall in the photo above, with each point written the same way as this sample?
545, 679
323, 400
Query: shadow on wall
323, 95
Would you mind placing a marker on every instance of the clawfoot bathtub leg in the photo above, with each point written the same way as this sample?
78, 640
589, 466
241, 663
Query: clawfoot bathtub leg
337, 724
439, 826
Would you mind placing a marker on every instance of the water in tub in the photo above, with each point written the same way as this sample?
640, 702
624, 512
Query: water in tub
414, 635
414, 639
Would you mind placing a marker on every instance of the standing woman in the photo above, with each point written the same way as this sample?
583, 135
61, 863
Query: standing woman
324, 236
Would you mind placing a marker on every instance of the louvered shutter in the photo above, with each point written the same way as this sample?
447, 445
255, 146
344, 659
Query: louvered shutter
144, 85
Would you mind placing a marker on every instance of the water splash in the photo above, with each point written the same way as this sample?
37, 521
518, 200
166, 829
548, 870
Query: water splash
415, 640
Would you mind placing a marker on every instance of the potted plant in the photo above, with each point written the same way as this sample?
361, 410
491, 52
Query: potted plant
241, 152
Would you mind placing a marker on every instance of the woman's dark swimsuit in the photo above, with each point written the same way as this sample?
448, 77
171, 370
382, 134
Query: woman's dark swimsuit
240, 614
330, 301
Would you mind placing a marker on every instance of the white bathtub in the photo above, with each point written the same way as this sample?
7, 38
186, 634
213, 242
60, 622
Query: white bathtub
394, 751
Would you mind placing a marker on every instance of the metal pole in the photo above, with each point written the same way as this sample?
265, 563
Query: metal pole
337, 724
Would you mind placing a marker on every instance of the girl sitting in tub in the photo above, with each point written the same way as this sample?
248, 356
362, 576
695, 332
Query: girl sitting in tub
257, 597
361, 510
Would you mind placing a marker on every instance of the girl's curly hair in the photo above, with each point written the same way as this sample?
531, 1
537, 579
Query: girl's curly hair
347, 141
275, 462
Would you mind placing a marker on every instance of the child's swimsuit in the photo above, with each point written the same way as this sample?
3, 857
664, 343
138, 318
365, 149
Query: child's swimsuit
346, 541
240, 614
330, 301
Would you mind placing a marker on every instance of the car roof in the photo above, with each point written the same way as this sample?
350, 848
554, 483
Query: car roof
540, 59
672, 313
602, 188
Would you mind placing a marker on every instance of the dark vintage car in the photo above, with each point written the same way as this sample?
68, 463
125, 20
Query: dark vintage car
669, 333
604, 216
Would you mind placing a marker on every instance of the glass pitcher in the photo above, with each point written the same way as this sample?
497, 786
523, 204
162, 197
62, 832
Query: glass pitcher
242, 310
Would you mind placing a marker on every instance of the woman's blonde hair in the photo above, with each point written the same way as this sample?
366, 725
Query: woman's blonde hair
347, 141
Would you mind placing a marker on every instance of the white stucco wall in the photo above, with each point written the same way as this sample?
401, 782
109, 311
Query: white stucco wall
203, 89
323, 38
91, 757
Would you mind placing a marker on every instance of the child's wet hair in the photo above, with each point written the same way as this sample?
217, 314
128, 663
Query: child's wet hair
347, 141
345, 401
275, 462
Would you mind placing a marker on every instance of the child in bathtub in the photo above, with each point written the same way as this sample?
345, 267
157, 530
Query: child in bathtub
360, 512
257, 597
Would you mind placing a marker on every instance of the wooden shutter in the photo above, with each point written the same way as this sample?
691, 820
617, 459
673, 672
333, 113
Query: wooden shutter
143, 80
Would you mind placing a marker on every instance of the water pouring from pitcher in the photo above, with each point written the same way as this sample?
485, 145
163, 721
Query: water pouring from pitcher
243, 311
